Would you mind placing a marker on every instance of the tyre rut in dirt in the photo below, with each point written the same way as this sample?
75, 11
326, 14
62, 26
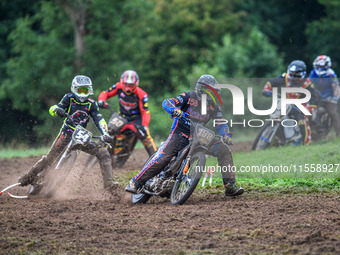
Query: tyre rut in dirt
183, 189
58, 176
140, 198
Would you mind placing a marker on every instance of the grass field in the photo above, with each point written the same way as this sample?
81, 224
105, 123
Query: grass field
311, 168
288, 169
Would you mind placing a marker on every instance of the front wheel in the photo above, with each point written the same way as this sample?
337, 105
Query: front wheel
58, 174
140, 198
265, 138
186, 183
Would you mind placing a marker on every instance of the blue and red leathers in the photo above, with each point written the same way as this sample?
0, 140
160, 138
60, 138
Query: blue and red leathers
328, 93
188, 103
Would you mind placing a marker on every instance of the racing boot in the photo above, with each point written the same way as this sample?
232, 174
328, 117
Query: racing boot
35, 188
36, 185
25, 180
111, 185
131, 187
231, 190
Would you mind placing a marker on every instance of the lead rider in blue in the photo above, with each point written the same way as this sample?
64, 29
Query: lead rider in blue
188, 104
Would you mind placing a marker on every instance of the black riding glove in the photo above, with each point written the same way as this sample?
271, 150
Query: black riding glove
142, 130
107, 138
177, 113
60, 112
101, 104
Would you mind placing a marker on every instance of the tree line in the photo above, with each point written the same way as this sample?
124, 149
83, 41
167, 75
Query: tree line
170, 43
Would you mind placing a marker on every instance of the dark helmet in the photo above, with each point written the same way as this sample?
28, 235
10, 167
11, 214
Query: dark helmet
297, 69
201, 87
130, 80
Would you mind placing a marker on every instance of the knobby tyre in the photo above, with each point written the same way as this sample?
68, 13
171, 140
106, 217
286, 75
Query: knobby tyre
140, 198
184, 187
260, 142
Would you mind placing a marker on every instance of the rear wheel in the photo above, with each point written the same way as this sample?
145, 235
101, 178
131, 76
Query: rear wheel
187, 183
58, 174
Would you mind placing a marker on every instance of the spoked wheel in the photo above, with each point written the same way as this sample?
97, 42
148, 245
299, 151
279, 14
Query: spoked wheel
262, 139
58, 174
186, 184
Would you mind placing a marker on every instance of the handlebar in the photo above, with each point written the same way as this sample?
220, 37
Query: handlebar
108, 106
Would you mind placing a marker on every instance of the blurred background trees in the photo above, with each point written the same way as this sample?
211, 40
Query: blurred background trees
169, 43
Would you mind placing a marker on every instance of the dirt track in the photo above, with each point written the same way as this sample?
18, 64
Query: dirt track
83, 218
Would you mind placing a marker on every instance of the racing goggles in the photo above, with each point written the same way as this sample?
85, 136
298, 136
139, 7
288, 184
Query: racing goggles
129, 85
300, 74
83, 90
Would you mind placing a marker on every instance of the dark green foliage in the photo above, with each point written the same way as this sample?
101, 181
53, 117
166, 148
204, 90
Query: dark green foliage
169, 43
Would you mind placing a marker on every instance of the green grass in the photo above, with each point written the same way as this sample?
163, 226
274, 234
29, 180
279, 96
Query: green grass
10, 153
319, 160
300, 176
325, 153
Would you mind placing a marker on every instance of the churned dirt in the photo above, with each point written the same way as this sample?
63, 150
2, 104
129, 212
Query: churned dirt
82, 218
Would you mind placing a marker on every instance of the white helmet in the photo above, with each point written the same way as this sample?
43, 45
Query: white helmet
82, 87
321, 64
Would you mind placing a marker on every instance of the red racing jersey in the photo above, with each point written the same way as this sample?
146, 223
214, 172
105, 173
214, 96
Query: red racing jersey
132, 106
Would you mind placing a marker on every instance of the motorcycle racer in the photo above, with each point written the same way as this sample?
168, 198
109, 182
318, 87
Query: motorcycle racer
327, 88
133, 106
187, 104
79, 108
295, 77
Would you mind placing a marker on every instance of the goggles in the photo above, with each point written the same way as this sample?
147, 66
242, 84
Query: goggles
321, 68
300, 74
129, 85
82, 90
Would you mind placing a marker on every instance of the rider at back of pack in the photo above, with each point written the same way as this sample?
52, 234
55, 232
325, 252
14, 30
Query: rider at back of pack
327, 88
78, 107
295, 77
188, 104
133, 106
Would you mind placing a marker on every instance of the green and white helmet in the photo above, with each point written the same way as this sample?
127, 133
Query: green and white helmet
81, 87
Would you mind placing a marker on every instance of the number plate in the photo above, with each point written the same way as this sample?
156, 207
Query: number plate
116, 123
204, 135
81, 135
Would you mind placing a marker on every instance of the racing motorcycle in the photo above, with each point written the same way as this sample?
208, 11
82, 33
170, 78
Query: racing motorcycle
56, 175
123, 144
274, 134
321, 123
180, 177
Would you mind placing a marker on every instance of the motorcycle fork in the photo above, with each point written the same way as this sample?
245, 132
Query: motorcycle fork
270, 138
66, 152
186, 166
